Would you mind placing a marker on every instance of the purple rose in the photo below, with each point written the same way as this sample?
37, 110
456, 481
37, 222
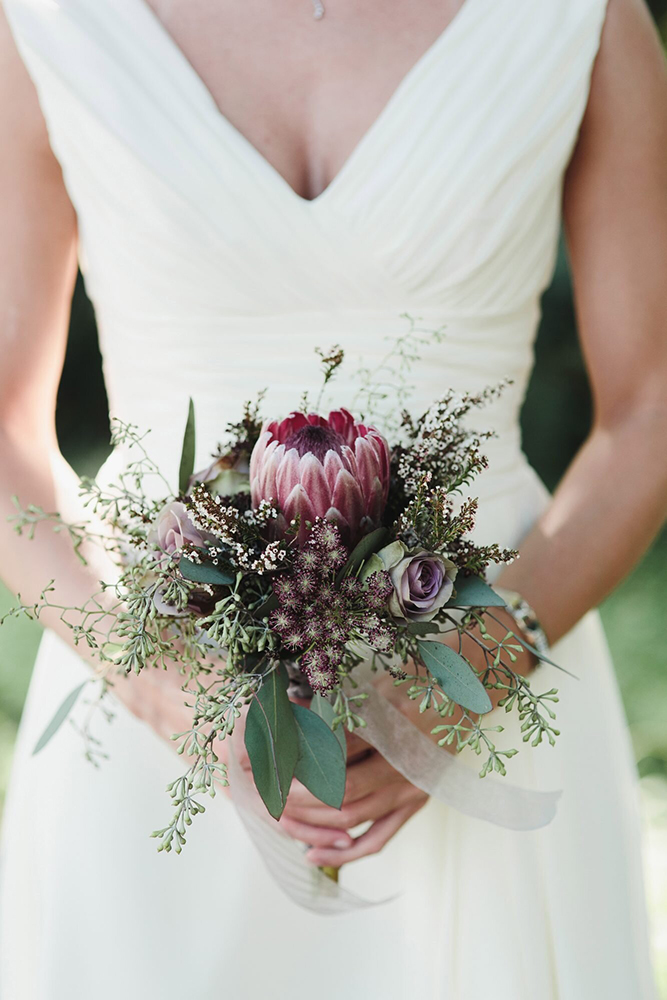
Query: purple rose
423, 581
172, 527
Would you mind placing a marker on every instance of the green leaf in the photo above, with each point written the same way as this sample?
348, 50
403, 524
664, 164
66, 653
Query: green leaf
272, 742
541, 656
321, 764
422, 628
187, 465
473, 592
366, 547
61, 714
371, 565
204, 573
323, 707
455, 676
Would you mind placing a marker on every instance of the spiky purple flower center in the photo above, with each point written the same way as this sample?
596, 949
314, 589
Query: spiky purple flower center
318, 614
316, 441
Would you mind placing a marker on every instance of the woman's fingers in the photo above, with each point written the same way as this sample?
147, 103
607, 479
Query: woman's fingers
318, 836
365, 810
363, 778
300, 798
370, 842
376, 805
368, 776
356, 747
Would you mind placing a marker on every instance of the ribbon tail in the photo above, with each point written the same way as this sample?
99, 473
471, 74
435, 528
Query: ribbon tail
443, 777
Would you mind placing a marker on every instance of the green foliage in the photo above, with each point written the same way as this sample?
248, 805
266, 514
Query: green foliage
272, 741
321, 763
323, 707
61, 714
538, 653
204, 573
455, 676
363, 550
187, 463
473, 592
422, 628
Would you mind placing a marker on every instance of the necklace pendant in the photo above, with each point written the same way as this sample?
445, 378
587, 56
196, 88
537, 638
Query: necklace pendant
318, 10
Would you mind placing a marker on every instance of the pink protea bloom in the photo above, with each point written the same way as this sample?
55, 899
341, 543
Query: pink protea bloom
330, 467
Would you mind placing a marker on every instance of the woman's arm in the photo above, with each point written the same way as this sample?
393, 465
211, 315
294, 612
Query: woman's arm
613, 498
38, 235
37, 272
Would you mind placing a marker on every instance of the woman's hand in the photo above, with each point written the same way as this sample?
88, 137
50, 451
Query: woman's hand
156, 696
374, 793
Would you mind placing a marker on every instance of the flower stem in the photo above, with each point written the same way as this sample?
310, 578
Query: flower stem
330, 872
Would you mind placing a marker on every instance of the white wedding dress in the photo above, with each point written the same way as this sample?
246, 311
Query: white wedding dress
211, 277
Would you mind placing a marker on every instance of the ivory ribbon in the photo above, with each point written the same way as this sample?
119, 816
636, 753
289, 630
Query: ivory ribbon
444, 777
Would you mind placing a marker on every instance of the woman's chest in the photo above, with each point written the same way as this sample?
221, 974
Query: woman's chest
303, 91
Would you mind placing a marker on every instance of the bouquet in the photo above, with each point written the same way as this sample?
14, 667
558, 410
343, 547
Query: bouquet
310, 546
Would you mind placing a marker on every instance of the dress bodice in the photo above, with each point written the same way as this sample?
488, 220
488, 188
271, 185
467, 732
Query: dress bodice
211, 277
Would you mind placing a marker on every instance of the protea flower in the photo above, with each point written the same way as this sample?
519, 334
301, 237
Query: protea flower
330, 467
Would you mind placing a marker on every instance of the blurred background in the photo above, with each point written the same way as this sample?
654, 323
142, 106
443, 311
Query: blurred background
556, 418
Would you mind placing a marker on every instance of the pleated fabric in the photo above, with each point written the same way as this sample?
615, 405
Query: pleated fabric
212, 278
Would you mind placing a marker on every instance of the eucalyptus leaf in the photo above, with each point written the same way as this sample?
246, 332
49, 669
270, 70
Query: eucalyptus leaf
272, 741
366, 547
541, 656
422, 628
473, 592
187, 464
204, 573
60, 716
323, 707
455, 676
321, 764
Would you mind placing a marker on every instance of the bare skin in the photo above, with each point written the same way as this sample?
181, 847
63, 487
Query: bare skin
318, 87
282, 78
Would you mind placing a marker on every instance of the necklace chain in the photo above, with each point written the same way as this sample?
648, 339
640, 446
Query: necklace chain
318, 10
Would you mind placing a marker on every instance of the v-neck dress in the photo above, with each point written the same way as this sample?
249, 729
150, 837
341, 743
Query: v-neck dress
212, 278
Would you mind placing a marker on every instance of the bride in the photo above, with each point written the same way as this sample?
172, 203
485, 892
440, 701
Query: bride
241, 184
